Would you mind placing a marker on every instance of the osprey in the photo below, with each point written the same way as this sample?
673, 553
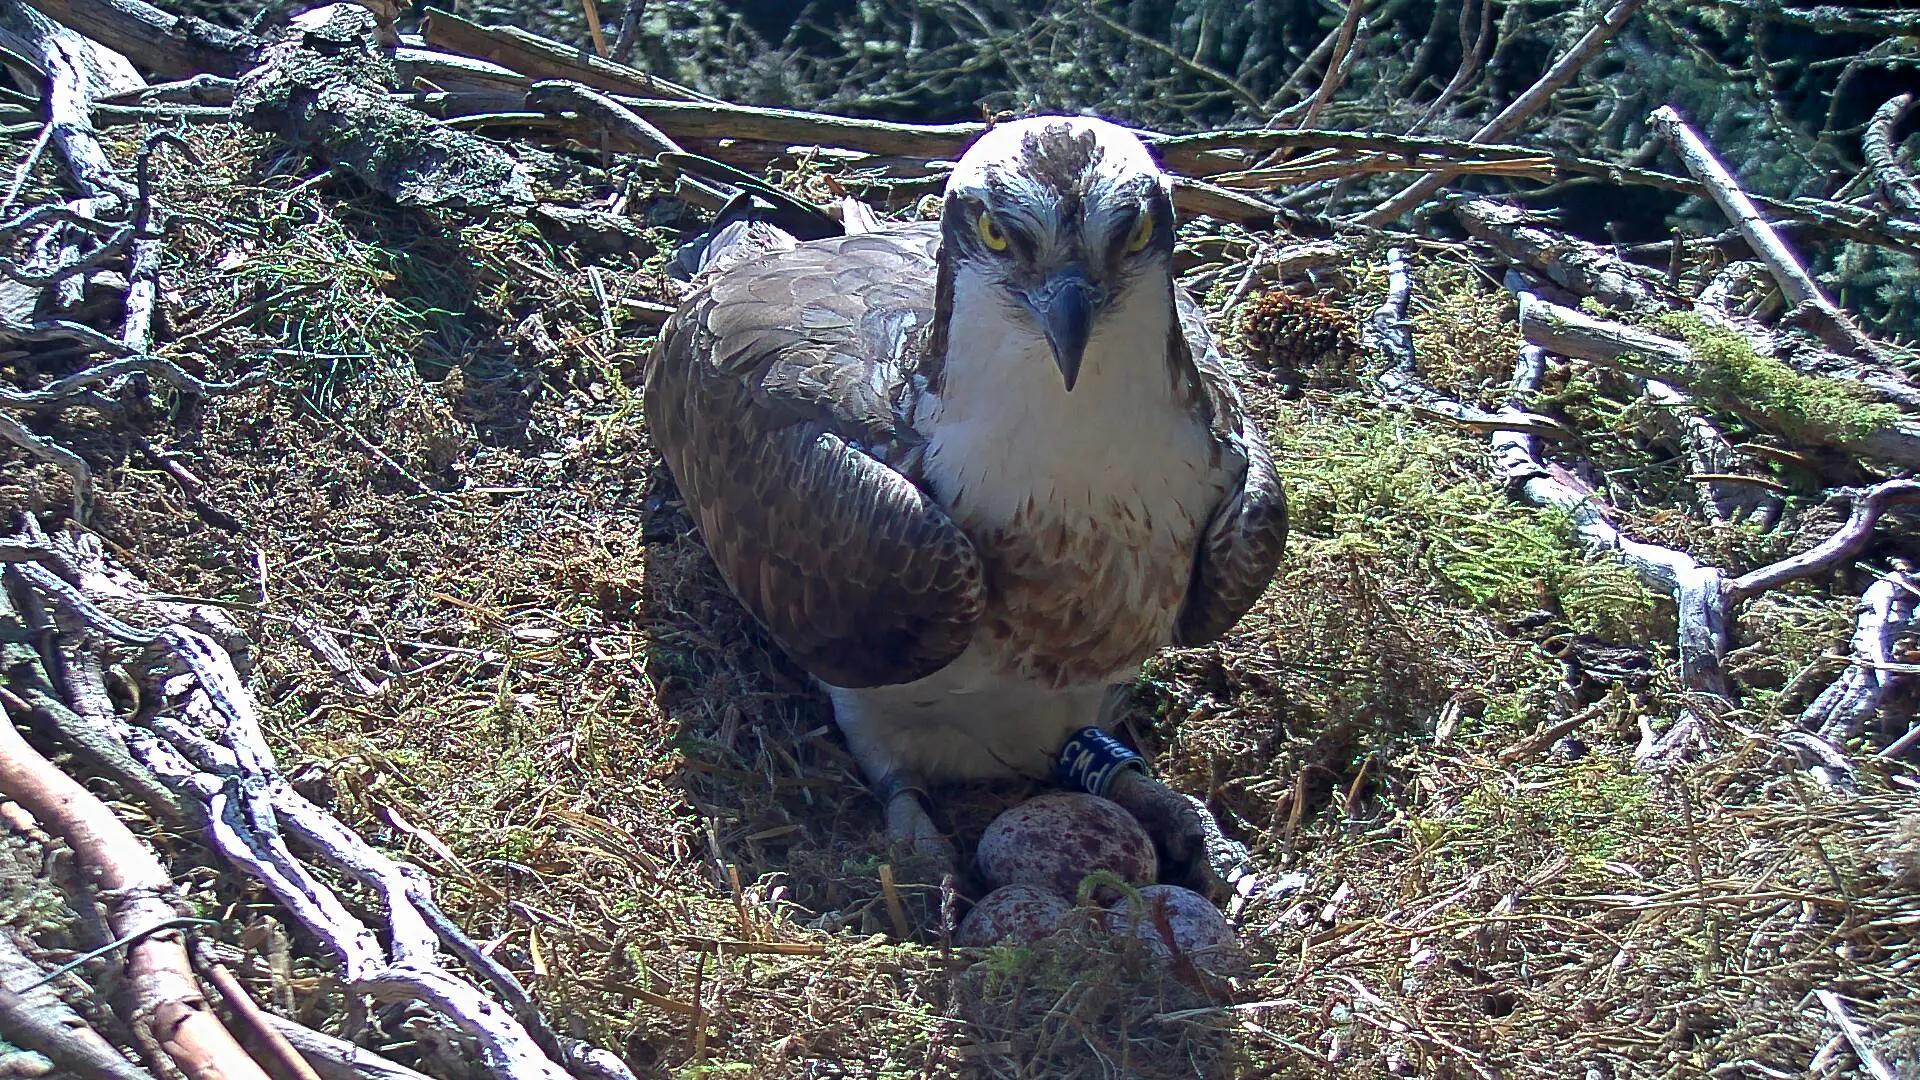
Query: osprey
971, 474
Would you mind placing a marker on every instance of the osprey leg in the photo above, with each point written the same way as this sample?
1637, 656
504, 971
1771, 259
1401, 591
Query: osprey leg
1193, 850
909, 826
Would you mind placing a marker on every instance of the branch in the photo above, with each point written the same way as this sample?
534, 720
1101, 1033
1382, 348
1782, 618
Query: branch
1566, 261
1568, 332
248, 803
1337, 65
1842, 710
1843, 544
541, 58
173, 45
1511, 118
1828, 19
1698, 590
35, 1018
1876, 145
1796, 285
135, 888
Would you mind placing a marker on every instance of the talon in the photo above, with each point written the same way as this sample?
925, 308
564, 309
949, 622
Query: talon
1194, 851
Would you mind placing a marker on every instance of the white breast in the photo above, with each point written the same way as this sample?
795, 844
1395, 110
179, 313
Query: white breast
1087, 505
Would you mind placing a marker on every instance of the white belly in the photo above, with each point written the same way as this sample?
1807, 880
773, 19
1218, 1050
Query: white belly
967, 721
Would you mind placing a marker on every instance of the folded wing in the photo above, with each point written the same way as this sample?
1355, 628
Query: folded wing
776, 397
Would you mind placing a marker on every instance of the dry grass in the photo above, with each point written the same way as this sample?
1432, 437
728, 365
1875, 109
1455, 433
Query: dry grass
646, 811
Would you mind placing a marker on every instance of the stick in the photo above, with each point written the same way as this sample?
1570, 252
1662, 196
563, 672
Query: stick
1568, 332
54, 454
1843, 544
36, 1019
541, 58
632, 133
167, 1004
176, 46
629, 29
277, 1046
593, 27
1856, 1036
338, 1059
1876, 145
1510, 119
248, 804
1698, 589
1833, 326
1841, 711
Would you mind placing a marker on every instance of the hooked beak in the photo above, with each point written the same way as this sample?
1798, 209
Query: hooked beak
1066, 305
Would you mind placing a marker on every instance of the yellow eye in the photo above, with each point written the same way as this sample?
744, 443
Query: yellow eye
990, 233
1142, 233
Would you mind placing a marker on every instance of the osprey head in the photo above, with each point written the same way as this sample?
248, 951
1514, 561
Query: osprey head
1066, 218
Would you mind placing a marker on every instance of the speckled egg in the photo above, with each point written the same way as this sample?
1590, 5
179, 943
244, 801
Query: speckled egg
1198, 929
1018, 913
1053, 841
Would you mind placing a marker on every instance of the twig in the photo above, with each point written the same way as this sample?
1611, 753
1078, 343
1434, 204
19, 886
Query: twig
1830, 19
62, 390
25, 168
248, 804
413, 483
1698, 590
1796, 285
1179, 60
1510, 119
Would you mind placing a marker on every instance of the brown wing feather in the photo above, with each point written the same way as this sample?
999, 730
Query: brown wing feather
1248, 533
775, 399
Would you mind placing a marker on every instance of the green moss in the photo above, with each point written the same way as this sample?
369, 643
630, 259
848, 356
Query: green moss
1385, 487
1592, 811
1729, 371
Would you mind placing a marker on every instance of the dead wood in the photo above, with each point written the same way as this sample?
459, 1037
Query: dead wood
33, 1016
252, 812
1895, 184
626, 130
1698, 590
1850, 702
103, 72
166, 1004
540, 58
338, 1059
1567, 261
1868, 506
175, 46
1832, 324
1568, 332
328, 87
287, 1062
